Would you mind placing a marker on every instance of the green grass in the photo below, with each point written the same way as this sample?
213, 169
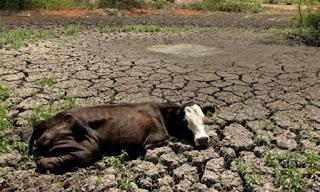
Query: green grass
285, 2
298, 32
72, 30
69, 103
140, 28
288, 175
227, 6
47, 82
313, 163
4, 92
5, 121
312, 139
258, 140
41, 113
118, 162
4, 145
267, 125
17, 37
249, 177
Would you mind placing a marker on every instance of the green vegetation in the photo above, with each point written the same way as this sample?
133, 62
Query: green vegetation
4, 92
46, 4
47, 82
267, 125
17, 37
69, 103
140, 28
285, 2
41, 113
98, 180
209, 114
312, 139
22, 147
118, 162
227, 5
72, 30
288, 166
5, 121
258, 140
249, 177
4, 145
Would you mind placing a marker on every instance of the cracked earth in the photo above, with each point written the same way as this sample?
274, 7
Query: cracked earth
260, 86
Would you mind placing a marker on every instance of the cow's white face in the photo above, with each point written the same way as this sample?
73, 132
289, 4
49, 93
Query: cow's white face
195, 119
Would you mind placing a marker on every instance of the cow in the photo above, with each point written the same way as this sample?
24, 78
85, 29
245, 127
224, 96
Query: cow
78, 137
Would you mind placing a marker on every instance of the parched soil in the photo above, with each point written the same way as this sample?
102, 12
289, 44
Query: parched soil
259, 85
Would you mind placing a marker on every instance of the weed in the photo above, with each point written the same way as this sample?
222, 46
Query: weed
258, 140
118, 162
295, 32
139, 28
289, 179
313, 163
98, 181
5, 121
227, 6
312, 139
41, 113
270, 160
69, 103
124, 4
22, 147
72, 30
287, 168
16, 38
4, 145
4, 92
209, 114
47, 82
61, 4
250, 178
267, 125
125, 184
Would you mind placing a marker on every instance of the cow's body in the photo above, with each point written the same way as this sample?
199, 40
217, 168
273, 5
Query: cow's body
80, 136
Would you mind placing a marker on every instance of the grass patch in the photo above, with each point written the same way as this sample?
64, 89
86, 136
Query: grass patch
287, 165
267, 125
258, 140
249, 177
5, 121
47, 82
4, 145
295, 32
118, 162
17, 37
312, 139
72, 30
227, 6
4, 92
140, 28
124, 4
41, 113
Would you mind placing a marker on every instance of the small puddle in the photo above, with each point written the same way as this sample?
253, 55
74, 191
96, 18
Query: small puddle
191, 50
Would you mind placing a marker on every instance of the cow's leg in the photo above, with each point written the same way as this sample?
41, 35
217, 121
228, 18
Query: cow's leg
64, 162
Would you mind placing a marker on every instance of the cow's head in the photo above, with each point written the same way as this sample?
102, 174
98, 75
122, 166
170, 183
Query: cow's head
195, 122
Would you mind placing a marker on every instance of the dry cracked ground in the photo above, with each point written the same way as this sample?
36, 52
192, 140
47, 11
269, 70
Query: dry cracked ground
265, 128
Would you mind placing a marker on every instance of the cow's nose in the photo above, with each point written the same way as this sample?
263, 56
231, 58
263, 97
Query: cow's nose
202, 141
